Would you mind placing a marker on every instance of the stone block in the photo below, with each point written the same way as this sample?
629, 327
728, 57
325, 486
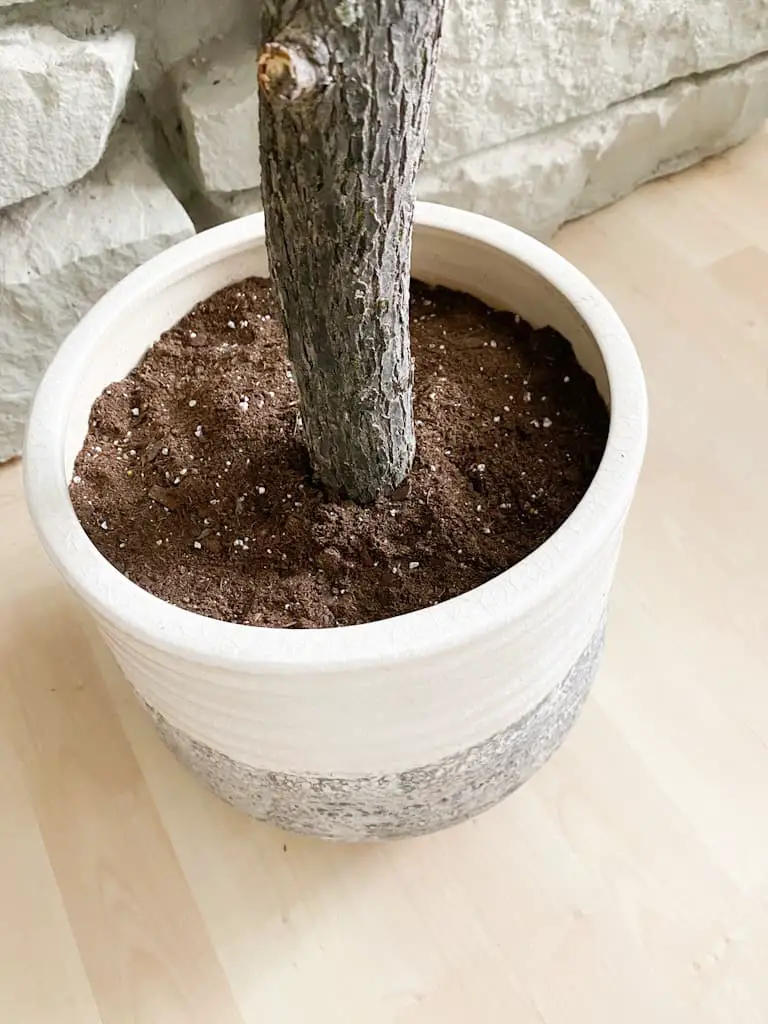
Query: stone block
509, 69
166, 31
210, 208
539, 182
59, 100
61, 251
218, 102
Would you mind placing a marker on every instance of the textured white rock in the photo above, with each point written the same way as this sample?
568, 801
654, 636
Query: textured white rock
539, 182
166, 30
210, 208
60, 252
508, 69
219, 106
59, 100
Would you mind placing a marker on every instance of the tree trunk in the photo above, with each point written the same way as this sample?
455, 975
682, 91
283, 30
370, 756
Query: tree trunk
345, 90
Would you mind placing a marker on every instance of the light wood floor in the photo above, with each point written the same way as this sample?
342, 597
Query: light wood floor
627, 884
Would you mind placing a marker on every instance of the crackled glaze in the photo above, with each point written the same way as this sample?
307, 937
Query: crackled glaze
390, 718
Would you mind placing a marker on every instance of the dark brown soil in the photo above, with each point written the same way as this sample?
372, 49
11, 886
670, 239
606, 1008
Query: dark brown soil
193, 481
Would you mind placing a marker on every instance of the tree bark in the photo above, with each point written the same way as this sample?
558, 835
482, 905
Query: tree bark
345, 91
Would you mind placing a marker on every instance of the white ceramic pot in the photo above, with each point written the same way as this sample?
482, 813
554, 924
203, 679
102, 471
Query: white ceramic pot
394, 728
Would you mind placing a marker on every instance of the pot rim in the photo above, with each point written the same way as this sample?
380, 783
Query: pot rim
419, 634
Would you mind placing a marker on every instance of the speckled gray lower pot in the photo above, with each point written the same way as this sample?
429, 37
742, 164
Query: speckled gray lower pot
411, 803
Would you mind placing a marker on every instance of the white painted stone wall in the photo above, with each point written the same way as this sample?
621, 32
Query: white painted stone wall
511, 68
60, 252
541, 181
166, 31
514, 71
543, 110
217, 100
59, 100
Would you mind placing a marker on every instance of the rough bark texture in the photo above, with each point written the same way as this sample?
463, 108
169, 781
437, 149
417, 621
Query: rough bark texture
345, 89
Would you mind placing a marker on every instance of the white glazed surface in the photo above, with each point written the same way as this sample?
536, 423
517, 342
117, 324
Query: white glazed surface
386, 696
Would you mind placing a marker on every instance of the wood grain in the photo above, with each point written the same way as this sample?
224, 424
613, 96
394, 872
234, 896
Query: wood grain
628, 882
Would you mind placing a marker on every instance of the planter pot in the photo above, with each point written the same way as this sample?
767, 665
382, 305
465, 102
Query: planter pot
393, 728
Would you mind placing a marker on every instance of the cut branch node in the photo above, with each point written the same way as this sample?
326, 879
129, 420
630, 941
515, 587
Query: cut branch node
290, 69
